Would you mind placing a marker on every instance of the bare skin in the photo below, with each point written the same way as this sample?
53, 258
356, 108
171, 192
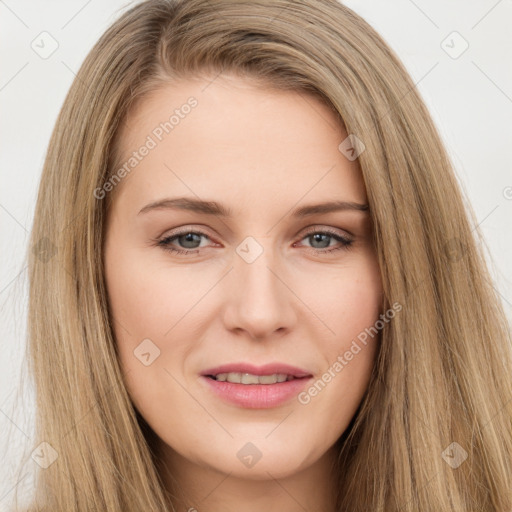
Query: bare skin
262, 154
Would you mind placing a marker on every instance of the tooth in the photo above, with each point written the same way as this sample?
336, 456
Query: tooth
268, 379
234, 377
247, 378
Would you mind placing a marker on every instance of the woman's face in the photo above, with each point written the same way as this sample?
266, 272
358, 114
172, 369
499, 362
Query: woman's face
263, 283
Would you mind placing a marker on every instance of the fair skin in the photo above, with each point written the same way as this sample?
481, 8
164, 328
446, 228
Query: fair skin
261, 153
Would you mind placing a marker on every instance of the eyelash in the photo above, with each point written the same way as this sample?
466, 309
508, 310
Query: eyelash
346, 242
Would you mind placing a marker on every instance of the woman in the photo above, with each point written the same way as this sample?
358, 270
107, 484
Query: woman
195, 343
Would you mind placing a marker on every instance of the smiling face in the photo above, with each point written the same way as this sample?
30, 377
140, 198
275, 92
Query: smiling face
267, 284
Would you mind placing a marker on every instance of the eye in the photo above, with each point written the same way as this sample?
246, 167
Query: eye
189, 239
320, 241
324, 237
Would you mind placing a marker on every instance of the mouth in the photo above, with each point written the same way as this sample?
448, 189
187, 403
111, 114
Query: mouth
246, 373
251, 378
250, 387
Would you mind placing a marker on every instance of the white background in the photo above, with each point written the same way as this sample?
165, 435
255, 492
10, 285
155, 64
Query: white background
470, 99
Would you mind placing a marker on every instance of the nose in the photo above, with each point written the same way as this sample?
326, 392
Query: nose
260, 303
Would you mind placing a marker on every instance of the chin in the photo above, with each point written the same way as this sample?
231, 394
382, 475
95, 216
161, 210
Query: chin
260, 459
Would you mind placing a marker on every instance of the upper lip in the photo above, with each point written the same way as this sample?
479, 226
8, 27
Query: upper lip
267, 369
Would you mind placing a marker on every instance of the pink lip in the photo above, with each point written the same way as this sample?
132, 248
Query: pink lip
267, 369
257, 396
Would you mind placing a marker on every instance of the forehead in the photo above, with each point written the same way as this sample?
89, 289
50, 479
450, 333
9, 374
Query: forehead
228, 135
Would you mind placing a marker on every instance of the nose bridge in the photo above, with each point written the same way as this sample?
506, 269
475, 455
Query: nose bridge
260, 303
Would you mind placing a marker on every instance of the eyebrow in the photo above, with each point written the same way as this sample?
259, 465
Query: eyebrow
214, 208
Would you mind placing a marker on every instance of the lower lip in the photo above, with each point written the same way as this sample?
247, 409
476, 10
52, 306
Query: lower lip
257, 396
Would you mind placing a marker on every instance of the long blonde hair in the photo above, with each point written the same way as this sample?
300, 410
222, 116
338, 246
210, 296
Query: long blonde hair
443, 372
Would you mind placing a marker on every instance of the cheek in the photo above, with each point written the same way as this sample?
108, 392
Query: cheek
347, 299
146, 302
152, 300
350, 305
147, 298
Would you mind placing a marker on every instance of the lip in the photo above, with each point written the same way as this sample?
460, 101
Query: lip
256, 396
267, 369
